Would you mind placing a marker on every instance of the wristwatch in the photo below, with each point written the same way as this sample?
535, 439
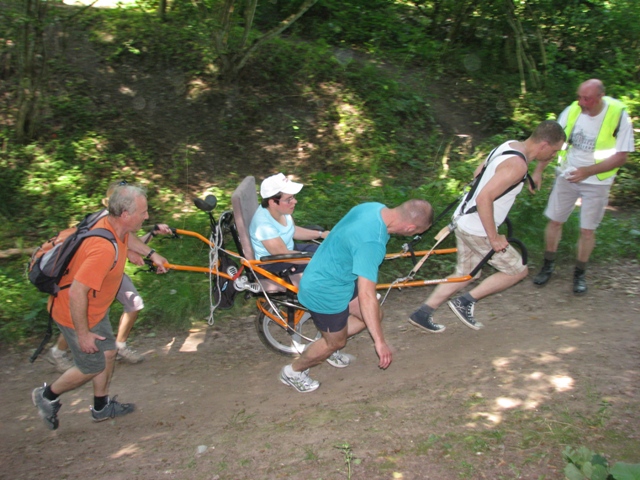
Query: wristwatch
151, 253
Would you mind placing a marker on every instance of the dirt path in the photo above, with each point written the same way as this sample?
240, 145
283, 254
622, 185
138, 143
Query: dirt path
497, 403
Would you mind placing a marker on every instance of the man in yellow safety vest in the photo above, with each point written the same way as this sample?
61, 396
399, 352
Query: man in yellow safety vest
599, 137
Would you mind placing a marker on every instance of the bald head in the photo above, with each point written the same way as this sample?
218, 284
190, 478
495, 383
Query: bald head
411, 217
594, 86
590, 95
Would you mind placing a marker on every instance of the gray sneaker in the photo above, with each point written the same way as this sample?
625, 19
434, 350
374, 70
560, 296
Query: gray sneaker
111, 410
59, 359
47, 409
464, 311
339, 360
301, 381
129, 356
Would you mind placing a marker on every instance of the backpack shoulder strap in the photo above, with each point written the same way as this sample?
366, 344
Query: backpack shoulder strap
96, 232
506, 152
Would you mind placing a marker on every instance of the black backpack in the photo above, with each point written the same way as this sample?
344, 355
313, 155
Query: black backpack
224, 292
50, 262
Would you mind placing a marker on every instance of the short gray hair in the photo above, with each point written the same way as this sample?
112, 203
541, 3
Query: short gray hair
123, 199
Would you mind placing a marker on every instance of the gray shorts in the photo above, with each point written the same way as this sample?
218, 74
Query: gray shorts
94, 362
128, 296
472, 249
563, 199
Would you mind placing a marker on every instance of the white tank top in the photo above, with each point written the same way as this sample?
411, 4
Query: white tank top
471, 223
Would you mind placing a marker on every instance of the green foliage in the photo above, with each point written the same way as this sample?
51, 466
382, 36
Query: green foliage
356, 81
584, 464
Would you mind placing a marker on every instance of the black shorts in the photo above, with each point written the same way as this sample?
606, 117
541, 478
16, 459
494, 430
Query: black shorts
333, 322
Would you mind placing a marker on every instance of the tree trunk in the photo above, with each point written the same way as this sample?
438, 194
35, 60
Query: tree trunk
32, 60
233, 57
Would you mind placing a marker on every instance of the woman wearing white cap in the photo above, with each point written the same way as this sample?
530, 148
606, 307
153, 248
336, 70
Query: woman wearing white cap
273, 231
272, 228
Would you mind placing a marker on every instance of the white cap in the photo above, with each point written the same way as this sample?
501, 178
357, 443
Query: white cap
278, 183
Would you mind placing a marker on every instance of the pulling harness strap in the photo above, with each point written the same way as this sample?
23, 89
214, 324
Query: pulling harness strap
476, 181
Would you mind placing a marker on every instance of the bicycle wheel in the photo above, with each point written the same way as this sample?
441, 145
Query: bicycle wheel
276, 337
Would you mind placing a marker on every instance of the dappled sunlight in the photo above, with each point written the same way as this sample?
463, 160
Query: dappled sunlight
494, 418
572, 323
546, 357
523, 386
127, 450
506, 403
196, 337
167, 348
562, 383
126, 91
100, 3
197, 88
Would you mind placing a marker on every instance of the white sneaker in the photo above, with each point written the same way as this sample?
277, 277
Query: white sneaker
129, 356
59, 359
339, 360
301, 381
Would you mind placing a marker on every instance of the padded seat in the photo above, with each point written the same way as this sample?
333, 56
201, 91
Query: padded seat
244, 202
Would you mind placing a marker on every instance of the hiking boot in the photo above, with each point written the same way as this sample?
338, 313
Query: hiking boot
464, 311
579, 282
545, 272
59, 359
339, 360
419, 318
47, 409
301, 381
129, 356
111, 410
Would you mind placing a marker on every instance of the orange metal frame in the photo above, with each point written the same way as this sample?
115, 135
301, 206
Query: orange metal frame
256, 267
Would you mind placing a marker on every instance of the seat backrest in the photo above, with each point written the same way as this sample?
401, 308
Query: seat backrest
244, 201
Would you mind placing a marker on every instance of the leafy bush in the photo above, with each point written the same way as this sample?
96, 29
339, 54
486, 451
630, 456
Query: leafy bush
584, 464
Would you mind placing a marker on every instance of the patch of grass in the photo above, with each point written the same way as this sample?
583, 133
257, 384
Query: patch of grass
467, 470
240, 420
309, 453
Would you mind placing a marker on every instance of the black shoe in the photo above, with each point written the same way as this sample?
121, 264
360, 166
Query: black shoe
111, 410
464, 311
420, 319
579, 282
545, 272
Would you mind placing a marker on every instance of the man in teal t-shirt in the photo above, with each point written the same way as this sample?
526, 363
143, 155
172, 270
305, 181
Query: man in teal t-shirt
339, 284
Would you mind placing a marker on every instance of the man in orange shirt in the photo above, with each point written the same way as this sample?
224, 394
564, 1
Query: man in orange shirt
81, 311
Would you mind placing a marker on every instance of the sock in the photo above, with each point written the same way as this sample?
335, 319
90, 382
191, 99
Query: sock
581, 266
550, 256
426, 309
121, 345
467, 296
56, 352
100, 402
290, 371
48, 394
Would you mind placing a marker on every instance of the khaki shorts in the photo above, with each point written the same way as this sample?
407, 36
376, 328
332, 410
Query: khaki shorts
128, 296
563, 199
90, 363
472, 249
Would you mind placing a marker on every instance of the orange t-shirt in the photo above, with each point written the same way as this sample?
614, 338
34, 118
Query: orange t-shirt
91, 266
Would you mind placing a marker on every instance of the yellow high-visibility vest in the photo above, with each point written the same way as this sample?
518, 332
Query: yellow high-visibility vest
606, 141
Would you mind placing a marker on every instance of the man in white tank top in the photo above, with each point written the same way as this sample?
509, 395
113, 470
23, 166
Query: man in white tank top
477, 220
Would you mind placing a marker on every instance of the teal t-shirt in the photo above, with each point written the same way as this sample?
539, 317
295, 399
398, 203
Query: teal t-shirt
355, 248
264, 227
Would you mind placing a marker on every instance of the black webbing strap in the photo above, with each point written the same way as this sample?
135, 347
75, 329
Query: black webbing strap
474, 187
